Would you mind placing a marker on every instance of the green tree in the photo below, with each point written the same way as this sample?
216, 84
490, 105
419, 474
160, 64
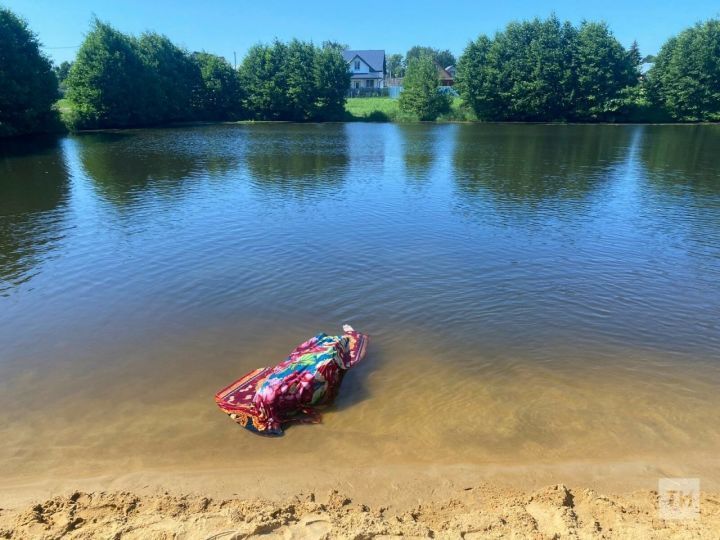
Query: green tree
535, 69
332, 79
603, 71
685, 79
61, 73
337, 45
418, 51
442, 58
264, 78
219, 95
28, 86
301, 88
421, 95
294, 81
395, 65
635, 58
545, 70
172, 78
445, 58
476, 80
108, 82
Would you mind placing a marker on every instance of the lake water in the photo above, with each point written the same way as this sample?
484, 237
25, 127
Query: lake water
535, 294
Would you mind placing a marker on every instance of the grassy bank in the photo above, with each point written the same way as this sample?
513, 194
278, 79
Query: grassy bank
384, 109
368, 109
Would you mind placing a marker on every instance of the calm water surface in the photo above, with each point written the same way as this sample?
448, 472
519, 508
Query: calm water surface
534, 293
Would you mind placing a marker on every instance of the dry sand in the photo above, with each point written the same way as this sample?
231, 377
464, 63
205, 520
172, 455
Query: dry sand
463, 510
477, 512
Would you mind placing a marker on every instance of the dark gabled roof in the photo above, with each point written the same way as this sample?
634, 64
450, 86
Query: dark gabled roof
373, 58
444, 74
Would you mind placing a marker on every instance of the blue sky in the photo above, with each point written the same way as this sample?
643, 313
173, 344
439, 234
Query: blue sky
224, 26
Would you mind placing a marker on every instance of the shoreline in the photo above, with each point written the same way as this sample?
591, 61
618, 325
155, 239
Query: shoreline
400, 122
32, 136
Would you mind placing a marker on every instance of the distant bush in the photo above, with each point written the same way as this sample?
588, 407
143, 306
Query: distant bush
28, 86
378, 116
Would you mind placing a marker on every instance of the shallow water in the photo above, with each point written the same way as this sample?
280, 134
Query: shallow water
535, 294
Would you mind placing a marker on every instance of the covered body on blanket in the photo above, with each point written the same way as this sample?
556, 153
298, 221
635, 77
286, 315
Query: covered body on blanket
266, 398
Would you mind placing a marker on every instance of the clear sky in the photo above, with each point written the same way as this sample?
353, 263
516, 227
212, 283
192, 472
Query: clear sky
225, 26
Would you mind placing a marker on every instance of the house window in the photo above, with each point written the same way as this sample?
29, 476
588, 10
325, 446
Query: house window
357, 65
357, 84
369, 83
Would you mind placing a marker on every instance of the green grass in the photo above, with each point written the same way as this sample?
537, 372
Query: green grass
384, 109
66, 111
378, 109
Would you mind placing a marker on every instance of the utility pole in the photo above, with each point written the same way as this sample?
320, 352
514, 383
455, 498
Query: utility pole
235, 59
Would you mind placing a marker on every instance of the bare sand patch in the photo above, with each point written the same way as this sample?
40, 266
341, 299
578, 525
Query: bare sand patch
482, 511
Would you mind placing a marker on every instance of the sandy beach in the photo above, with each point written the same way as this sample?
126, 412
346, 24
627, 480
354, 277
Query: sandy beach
469, 512
401, 501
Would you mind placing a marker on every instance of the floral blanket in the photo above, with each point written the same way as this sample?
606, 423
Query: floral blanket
266, 398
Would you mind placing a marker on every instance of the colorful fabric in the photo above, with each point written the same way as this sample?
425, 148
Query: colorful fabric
266, 398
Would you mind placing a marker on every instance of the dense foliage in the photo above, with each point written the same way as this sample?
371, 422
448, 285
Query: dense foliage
548, 70
122, 81
421, 93
28, 86
294, 81
395, 65
61, 72
170, 78
685, 79
332, 80
107, 84
218, 94
442, 58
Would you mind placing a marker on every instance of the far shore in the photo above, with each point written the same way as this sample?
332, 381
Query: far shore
380, 110
361, 120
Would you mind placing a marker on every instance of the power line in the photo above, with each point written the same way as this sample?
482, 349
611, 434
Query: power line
68, 47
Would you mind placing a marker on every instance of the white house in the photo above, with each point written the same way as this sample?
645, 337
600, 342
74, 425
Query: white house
367, 68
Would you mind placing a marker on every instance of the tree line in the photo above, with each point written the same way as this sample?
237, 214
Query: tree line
120, 81
538, 70
545, 70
